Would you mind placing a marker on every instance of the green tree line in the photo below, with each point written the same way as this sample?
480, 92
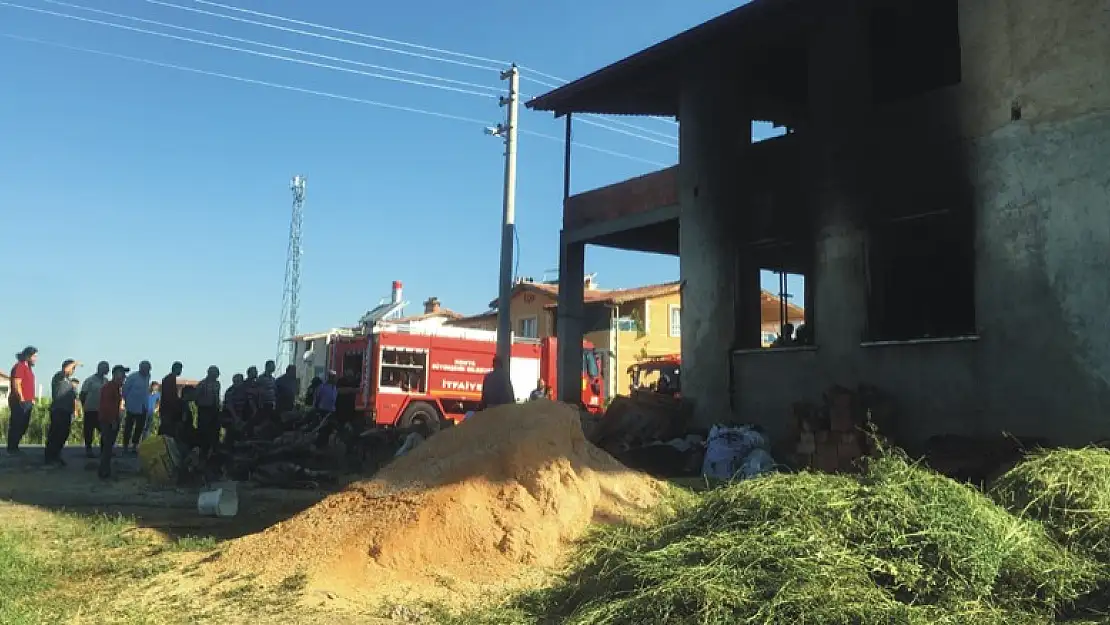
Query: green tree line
40, 424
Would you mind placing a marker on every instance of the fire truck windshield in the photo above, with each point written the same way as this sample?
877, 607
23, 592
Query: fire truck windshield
589, 363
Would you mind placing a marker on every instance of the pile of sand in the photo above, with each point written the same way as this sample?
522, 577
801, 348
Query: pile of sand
509, 488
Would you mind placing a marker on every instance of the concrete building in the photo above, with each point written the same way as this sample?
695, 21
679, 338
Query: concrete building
943, 187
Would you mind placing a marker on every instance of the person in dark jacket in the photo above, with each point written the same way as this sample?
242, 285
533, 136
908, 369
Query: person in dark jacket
63, 406
171, 410
207, 399
285, 388
497, 388
310, 394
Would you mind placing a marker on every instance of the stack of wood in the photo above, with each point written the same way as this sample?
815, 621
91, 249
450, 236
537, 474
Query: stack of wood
642, 418
833, 437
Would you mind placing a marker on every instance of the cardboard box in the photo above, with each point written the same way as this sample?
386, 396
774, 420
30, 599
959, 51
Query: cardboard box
849, 450
841, 405
807, 444
825, 458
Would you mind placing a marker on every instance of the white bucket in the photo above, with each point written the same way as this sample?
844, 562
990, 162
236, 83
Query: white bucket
220, 502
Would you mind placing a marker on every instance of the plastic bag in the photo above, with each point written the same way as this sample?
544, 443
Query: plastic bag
726, 449
758, 462
159, 459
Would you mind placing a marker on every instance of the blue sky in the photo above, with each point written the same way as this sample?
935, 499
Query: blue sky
147, 209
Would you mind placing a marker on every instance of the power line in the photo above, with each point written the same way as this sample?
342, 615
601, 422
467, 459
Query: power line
607, 118
288, 20
563, 81
251, 81
544, 74
594, 148
625, 124
248, 51
342, 31
271, 46
382, 39
670, 144
307, 33
610, 120
314, 92
604, 126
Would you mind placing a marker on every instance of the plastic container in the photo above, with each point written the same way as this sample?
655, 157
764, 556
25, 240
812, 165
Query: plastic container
220, 502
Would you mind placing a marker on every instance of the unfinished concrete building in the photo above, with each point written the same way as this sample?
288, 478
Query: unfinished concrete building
944, 187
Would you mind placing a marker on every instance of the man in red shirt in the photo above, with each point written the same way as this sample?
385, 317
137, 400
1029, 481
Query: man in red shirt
22, 397
111, 396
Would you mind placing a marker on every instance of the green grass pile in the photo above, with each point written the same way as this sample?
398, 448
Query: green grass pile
898, 544
1068, 490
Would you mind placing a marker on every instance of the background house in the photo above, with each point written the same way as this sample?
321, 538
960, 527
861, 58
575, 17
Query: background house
434, 315
5, 386
630, 324
481, 321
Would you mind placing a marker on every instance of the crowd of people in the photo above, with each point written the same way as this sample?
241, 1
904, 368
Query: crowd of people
116, 401
118, 405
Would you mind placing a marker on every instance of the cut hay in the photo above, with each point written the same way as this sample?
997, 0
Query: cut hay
1069, 491
899, 544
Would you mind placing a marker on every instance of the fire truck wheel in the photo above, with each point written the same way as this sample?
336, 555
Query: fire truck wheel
420, 412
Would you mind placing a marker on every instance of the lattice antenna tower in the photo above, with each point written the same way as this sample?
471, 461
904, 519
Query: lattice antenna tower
291, 291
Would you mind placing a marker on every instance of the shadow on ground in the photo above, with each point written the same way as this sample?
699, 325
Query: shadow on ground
170, 511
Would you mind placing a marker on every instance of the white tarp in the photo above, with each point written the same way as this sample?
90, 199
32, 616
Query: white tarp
735, 452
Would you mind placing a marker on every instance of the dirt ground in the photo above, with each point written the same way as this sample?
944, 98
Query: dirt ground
171, 511
467, 519
128, 530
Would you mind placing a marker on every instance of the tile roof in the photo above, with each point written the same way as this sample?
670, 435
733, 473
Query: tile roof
620, 296
602, 296
442, 312
488, 313
793, 311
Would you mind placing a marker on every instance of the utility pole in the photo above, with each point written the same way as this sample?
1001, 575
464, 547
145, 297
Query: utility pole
291, 289
508, 130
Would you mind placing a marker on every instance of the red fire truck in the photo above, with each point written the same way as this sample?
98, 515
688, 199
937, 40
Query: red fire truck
411, 374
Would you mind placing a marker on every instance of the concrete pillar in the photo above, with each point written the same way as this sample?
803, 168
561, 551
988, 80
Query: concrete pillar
714, 134
571, 311
749, 305
837, 135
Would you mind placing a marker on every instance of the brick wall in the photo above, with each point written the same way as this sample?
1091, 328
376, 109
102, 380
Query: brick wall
650, 191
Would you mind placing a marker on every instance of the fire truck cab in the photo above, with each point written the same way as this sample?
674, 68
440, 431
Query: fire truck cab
409, 374
658, 374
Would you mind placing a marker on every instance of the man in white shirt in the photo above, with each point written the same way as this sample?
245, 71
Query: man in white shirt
90, 400
136, 396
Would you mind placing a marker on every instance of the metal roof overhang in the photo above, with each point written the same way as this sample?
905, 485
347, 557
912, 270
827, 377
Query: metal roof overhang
760, 38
